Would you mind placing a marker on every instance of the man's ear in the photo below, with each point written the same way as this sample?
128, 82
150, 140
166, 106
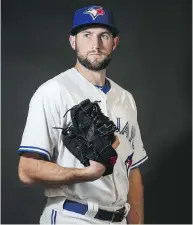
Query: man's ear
115, 42
72, 41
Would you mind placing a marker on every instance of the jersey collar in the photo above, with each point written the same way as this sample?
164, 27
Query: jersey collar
106, 87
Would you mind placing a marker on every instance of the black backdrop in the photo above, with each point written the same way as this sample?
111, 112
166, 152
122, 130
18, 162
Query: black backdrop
153, 62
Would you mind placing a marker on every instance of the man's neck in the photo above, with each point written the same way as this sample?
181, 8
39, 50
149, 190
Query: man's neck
95, 77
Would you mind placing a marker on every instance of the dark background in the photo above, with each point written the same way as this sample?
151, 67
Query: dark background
153, 62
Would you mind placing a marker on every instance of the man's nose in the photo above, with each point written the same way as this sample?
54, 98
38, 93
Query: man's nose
96, 43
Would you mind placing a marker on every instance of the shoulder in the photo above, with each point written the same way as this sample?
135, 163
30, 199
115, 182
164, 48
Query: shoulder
132, 100
51, 88
125, 94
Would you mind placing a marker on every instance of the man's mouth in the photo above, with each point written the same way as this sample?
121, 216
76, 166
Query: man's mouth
95, 54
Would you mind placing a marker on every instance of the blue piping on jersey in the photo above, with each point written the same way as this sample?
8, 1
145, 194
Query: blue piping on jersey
106, 87
34, 149
139, 162
53, 217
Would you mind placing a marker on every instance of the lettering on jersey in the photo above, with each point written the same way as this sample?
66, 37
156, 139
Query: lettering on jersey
124, 129
131, 139
128, 161
118, 124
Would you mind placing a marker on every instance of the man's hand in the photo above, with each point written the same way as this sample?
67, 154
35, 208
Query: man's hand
116, 142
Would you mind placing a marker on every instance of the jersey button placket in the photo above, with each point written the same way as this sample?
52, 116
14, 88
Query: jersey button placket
104, 102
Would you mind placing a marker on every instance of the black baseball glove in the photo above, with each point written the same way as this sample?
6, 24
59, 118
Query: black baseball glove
91, 135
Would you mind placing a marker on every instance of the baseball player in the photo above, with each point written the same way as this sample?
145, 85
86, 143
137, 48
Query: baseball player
77, 194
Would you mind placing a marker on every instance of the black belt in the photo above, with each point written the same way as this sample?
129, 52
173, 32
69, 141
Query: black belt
80, 208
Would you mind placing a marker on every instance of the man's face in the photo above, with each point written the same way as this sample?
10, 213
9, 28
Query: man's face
94, 47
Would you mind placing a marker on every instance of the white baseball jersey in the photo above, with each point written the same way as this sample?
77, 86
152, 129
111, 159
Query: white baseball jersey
46, 110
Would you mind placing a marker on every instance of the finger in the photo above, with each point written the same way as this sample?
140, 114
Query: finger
117, 139
116, 142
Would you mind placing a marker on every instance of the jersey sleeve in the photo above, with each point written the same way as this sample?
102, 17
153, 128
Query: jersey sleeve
140, 154
39, 135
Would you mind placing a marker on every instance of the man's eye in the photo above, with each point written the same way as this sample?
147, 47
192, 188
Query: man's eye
105, 36
86, 35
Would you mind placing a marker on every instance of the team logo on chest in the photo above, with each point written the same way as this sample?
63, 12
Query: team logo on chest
125, 130
95, 11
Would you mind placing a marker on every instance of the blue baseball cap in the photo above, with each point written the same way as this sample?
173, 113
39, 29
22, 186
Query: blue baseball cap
94, 15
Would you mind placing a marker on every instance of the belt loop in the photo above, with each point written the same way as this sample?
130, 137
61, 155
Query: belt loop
92, 209
127, 208
112, 217
96, 209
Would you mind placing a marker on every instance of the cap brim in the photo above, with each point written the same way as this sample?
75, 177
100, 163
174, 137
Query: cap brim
79, 28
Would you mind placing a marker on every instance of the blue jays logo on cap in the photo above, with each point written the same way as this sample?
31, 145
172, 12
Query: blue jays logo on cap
91, 15
95, 11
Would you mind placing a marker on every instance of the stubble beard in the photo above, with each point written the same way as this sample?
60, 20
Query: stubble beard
95, 65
